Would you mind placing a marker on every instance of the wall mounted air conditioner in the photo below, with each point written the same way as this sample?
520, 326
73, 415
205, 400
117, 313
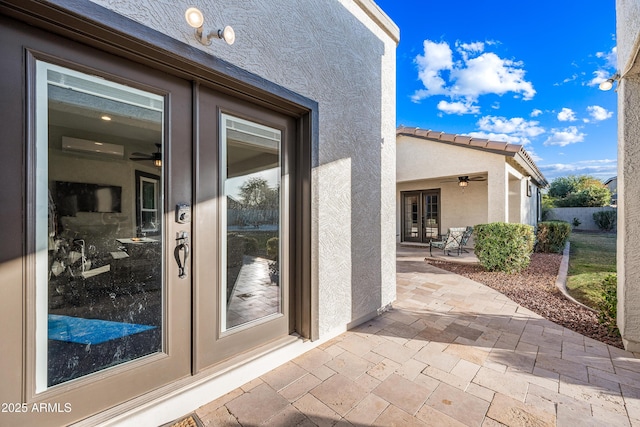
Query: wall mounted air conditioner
92, 147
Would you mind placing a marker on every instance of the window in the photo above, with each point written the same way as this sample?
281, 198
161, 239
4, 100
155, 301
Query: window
148, 203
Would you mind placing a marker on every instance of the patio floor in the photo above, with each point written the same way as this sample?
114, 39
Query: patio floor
451, 352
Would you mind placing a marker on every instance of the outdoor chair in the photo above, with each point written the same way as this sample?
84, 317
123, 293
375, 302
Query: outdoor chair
465, 238
451, 241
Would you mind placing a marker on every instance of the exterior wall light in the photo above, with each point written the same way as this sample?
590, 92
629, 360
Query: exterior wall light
608, 84
195, 19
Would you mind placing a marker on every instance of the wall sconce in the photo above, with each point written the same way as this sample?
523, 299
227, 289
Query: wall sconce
195, 19
608, 84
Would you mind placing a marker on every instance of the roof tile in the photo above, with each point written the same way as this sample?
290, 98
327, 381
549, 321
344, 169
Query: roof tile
447, 137
462, 139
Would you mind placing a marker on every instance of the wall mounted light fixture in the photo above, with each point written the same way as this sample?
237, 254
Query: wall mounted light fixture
608, 84
195, 19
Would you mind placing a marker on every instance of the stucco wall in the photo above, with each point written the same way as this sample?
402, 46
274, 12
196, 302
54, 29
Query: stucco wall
503, 197
628, 40
584, 215
420, 158
458, 207
334, 53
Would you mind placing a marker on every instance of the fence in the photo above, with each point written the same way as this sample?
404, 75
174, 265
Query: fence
584, 215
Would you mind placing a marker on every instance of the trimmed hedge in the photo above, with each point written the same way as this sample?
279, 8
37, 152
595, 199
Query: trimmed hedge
552, 236
502, 246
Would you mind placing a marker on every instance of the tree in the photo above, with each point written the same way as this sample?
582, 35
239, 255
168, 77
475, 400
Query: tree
578, 191
259, 201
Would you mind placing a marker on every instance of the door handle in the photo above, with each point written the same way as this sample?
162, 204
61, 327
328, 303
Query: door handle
181, 253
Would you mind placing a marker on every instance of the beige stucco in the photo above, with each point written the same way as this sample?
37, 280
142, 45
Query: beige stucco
424, 164
628, 40
301, 46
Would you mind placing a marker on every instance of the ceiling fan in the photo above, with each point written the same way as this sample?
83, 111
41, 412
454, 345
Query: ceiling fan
156, 157
463, 181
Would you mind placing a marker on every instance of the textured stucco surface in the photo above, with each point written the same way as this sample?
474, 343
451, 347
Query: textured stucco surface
584, 215
334, 53
628, 37
424, 165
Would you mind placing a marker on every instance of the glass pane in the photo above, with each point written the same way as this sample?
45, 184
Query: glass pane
99, 283
148, 195
251, 285
411, 226
430, 216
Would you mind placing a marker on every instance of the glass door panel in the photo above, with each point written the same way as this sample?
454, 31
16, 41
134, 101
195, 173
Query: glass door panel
251, 163
431, 219
99, 205
411, 217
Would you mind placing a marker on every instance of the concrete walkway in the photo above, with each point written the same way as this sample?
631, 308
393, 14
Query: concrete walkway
452, 352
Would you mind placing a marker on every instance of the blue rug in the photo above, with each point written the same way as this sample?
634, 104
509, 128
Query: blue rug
90, 331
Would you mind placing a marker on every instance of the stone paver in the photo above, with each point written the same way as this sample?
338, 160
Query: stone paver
451, 352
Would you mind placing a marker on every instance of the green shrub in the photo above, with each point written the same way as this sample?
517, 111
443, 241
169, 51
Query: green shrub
552, 236
609, 305
605, 220
273, 247
504, 247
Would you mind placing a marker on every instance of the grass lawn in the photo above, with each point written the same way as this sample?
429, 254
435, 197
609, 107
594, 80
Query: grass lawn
593, 257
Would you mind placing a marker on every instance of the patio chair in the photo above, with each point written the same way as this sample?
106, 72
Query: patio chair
451, 241
465, 238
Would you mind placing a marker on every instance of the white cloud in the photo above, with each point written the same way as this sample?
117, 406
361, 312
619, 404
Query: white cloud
599, 113
611, 57
488, 73
516, 127
536, 112
567, 115
533, 155
566, 136
608, 69
458, 107
476, 73
470, 47
601, 169
437, 58
502, 137
598, 77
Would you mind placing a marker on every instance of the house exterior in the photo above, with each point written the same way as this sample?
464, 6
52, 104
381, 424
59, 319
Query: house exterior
612, 185
446, 180
628, 91
181, 217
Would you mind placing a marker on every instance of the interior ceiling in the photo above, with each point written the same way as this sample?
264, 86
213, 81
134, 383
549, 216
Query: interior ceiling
243, 158
130, 125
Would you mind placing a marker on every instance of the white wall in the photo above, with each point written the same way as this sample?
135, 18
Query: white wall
419, 158
458, 208
302, 46
503, 197
628, 40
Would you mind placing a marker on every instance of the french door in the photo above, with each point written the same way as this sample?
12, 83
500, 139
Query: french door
420, 215
157, 227
244, 208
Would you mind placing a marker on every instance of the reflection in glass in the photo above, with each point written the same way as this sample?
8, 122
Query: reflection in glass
98, 228
251, 285
410, 217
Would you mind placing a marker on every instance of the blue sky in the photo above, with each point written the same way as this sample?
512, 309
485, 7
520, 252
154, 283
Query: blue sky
525, 72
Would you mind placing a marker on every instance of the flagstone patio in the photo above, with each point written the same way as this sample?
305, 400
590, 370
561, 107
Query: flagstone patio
451, 352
